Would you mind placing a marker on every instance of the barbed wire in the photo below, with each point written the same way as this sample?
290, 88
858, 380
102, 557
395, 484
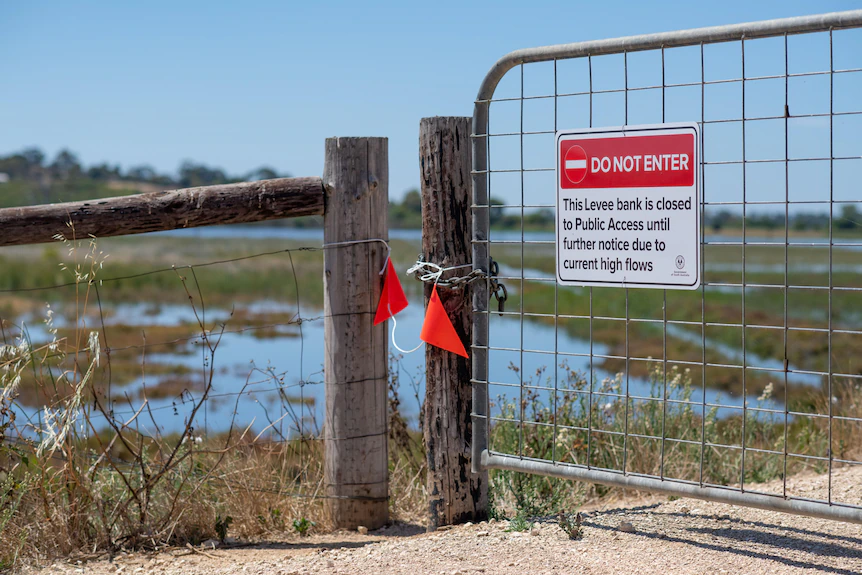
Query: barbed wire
295, 424
173, 268
206, 335
204, 264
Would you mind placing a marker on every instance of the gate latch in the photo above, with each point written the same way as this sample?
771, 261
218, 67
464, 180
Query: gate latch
498, 290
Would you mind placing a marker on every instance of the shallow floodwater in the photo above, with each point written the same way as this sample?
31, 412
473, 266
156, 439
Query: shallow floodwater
277, 381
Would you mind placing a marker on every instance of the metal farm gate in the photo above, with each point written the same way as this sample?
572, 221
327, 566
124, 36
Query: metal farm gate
748, 379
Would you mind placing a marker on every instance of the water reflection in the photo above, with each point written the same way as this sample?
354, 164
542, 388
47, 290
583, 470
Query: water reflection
281, 376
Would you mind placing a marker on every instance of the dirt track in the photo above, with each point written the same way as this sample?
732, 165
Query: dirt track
679, 537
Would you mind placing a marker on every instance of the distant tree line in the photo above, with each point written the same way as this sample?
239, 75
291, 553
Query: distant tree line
31, 164
33, 179
846, 217
408, 214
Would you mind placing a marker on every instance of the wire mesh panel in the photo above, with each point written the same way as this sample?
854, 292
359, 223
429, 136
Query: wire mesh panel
720, 393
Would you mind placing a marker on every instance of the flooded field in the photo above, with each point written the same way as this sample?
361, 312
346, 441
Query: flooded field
262, 316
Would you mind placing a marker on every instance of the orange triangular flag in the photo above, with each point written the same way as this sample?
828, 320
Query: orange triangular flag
438, 329
392, 298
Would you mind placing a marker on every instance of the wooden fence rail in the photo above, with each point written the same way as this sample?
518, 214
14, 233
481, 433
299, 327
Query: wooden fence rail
159, 211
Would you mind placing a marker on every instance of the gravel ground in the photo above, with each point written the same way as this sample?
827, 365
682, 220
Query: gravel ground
678, 537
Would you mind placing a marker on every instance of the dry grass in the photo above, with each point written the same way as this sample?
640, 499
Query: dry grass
561, 431
56, 507
123, 490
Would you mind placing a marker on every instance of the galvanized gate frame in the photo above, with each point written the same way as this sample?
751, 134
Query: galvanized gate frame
482, 457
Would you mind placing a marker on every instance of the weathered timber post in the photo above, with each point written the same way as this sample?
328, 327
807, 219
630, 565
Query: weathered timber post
455, 494
356, 180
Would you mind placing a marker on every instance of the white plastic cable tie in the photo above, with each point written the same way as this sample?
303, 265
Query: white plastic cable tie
432, 275
394, 325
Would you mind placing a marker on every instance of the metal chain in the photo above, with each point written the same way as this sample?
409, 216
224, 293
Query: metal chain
430, 273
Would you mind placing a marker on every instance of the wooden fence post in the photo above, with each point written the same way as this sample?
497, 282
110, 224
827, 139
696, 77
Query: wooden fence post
356, 180
455, 494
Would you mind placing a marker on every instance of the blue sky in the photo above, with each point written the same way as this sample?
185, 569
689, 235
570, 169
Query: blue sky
242, 84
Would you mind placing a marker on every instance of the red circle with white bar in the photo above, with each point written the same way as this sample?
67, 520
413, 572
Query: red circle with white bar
576, 164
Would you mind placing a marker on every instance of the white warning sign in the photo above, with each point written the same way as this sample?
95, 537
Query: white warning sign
628, 206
